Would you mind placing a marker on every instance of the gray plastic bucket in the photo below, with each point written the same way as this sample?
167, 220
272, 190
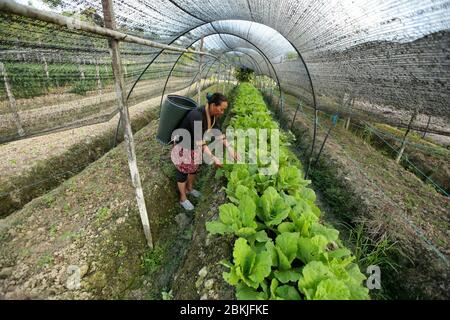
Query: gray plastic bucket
173, 110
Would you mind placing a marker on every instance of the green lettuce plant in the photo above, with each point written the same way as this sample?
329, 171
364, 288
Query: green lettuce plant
283, 250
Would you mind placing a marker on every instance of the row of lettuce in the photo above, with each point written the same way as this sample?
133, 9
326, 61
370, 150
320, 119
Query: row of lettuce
282, 250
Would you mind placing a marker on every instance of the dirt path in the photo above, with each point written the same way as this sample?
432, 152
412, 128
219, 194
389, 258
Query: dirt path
88, 228
90, 223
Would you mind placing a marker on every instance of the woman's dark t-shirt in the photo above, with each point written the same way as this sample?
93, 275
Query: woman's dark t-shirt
187, 123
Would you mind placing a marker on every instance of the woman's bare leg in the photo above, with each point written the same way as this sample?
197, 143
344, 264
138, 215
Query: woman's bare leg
182, 189
190, 182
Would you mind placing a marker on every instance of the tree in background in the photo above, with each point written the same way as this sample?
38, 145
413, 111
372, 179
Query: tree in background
244, 74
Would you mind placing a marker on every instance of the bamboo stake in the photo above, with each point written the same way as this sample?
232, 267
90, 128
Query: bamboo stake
97, 76
128, 134
81, 70
200, 73
218, 75
45, 67
347, 122
403, 146
12, 101
426, 129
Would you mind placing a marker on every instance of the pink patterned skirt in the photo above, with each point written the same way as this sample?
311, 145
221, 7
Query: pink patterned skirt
186, 160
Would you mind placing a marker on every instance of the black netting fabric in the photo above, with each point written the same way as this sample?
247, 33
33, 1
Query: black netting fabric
391, 57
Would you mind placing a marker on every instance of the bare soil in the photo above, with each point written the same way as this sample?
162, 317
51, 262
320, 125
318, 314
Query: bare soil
30, 167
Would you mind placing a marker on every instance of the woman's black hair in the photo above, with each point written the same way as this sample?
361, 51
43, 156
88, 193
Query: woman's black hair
216, 98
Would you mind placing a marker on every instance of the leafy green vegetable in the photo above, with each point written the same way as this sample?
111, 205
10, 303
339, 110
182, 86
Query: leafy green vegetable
332, 289
329, 233
283, 251
249, 266
292, 275
273, 208
310, 249
286, 246
238, 220
244, 292
289, 179
332, 282
285, 292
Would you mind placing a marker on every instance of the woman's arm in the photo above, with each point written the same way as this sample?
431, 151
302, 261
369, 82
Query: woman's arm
216, 160
229, 147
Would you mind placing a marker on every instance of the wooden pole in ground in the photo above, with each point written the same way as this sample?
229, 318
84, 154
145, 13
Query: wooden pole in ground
128, 134
347, 122
295, 114
218, 74
223, 80
229, 76
426, 129
12, 101
80, 69
125, 70
97, 76
199, 87
47, 74
403, 146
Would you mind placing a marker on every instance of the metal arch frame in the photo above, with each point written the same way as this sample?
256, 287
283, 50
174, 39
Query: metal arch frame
279, 85
234, 49
251, 21
171, 70
253, 59
307, 73
165, 85
254, 62
207, 35
199, 26
266, 59
199, 72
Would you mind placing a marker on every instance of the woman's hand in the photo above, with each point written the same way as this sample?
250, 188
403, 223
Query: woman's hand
217, 162
234, 155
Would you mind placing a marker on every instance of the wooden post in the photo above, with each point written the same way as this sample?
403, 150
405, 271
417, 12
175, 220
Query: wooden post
125, 70
223, 81
218, 74
12, 101
281, 106
80, 69
45, 67
229, 76
295, 114
97, 76
128, 134
347, 122
403, 146
426, 129
199, 87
